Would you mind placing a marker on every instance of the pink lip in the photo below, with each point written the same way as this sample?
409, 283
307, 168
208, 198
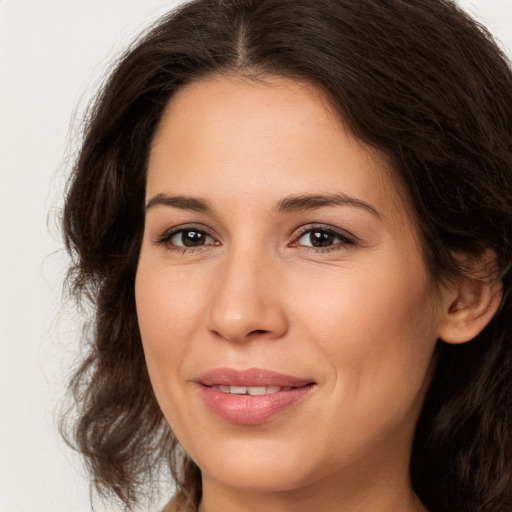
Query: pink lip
247, 409
250, 377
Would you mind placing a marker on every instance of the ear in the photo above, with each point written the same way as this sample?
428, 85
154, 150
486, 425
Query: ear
472, 302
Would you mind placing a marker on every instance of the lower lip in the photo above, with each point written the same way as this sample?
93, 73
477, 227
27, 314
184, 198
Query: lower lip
251, 410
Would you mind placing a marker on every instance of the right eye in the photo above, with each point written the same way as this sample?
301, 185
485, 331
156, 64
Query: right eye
186, 238
190, 238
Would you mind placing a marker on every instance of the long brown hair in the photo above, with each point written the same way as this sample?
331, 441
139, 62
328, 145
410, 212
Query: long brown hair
417, 79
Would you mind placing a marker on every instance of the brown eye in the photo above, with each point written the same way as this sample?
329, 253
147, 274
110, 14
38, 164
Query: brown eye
318, 238
322, 238
190, 238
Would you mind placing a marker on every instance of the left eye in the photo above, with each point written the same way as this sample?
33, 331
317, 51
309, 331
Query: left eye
319, 238
190, 238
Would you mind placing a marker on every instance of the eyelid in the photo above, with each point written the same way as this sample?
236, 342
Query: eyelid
348, 238
166, 236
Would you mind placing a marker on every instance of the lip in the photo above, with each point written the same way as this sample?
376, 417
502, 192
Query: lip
247, 409
250, 377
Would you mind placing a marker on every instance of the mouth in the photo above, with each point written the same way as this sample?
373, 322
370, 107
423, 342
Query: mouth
251, 397
252, 390
251, 379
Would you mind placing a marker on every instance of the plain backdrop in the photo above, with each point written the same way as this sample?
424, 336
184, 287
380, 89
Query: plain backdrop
53, 54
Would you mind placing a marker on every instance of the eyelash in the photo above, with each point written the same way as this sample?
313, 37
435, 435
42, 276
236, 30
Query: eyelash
346, 239
165, 239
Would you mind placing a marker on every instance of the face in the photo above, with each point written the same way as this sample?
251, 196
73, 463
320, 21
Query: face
287, 317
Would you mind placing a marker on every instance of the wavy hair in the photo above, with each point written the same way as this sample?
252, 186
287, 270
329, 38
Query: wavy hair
418, 79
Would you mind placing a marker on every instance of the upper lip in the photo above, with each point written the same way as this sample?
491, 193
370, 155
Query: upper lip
250, 377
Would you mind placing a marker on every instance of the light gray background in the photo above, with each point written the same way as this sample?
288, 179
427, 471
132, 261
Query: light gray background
52, 55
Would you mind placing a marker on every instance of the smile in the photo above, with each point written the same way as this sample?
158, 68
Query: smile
253, 396
252, 390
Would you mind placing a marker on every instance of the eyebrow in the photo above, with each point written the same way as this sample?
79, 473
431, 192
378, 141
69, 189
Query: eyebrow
312, 201
195, 204
289, 204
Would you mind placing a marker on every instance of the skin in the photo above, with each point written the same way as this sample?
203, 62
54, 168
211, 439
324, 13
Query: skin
360, 318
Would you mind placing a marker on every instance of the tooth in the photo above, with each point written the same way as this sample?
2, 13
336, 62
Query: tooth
238, 390
256, 390
251, 390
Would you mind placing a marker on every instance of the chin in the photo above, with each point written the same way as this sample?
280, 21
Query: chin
257, 467
258, 477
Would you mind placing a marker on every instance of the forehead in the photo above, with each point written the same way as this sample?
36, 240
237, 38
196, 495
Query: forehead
261, 139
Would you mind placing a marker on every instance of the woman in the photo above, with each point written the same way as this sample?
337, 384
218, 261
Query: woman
293, 219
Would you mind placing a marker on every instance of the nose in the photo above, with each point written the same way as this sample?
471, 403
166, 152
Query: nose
246, 300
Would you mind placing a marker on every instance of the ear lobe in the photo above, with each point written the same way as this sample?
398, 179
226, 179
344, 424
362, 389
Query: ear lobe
475, 304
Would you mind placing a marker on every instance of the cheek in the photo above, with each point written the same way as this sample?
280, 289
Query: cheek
168, 311
377, 330
368, 304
